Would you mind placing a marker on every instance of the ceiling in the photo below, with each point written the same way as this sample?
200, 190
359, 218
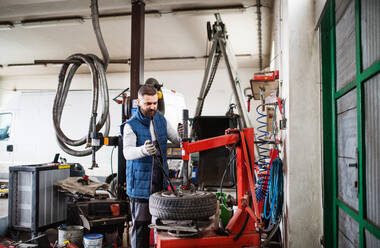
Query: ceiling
175, 28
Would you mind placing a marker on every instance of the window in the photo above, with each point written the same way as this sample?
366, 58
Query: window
5, 125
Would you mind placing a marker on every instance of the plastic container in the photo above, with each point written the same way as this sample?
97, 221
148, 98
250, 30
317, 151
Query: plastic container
73, 234
93, 240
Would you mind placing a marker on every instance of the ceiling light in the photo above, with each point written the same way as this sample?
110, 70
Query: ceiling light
6, 26
209, 10
37, 23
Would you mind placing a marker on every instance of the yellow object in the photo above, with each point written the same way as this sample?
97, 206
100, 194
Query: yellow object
64, 166
106, 141
159, 94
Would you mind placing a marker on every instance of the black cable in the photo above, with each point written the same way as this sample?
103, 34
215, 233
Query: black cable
250, 198
164, 173
244, 224
232, 159
211, 79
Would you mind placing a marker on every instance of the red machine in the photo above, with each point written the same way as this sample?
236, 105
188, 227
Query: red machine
246, 222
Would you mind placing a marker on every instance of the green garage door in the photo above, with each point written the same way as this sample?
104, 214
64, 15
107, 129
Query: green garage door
350, 42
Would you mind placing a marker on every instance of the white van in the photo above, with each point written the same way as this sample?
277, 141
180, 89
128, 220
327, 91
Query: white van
27, 134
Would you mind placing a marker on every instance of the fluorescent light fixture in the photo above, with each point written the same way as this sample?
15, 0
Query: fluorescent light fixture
6, 26
209, 10
52, 22
125, 15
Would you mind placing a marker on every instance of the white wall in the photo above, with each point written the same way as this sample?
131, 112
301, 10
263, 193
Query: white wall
300, 76
187, 82
34, 138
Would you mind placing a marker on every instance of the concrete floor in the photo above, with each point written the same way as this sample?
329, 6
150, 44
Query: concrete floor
3, 207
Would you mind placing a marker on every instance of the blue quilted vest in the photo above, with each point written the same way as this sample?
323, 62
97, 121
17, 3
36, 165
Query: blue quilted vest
139, 171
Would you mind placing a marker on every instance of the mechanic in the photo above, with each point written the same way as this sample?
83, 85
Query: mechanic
145, 139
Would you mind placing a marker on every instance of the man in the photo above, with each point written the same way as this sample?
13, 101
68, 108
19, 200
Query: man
145, 143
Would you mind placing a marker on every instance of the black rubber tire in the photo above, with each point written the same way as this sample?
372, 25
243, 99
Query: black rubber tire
190, 206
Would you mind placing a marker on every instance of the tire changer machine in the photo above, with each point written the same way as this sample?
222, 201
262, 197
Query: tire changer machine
248, 223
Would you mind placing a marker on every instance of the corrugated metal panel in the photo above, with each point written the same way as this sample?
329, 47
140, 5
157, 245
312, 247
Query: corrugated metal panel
371, 241
348, 231
24, 199
347, 144
345, 42
372, 147
370, 24
52, 204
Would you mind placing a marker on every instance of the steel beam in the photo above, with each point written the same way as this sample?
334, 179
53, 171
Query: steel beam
137, 46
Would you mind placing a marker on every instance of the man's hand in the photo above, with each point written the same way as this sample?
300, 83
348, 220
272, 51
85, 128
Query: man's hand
180, 130
149, 148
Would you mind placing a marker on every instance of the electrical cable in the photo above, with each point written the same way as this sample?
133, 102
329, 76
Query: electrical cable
99, 84
232, 161
112, 159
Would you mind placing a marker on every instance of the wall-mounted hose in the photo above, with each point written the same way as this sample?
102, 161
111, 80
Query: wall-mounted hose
99, 83
263, 154
275, 193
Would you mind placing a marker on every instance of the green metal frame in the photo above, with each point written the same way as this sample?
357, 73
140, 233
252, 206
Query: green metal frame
331, 203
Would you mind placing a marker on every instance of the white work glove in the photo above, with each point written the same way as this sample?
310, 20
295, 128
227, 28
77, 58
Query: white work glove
149, 148
180, 130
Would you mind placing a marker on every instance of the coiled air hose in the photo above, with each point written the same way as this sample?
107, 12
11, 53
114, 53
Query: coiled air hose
99, 84
275, 193
263, 152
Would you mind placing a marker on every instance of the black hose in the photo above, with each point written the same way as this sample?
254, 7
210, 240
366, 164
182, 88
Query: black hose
250, 198
99, 83
98, 33
244, 224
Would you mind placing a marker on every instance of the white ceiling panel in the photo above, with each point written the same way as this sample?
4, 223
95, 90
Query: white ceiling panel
169, 34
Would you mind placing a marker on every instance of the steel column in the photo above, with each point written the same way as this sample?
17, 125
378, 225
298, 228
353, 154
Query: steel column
137, 46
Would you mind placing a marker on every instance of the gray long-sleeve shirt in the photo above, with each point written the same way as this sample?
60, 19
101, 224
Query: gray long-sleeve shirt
132, 152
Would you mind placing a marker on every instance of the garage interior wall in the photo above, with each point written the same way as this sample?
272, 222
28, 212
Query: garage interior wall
26, 150
295, 51
187, 82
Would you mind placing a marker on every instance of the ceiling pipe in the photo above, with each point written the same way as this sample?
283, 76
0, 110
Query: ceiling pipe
259, 33
51, 21
114, 61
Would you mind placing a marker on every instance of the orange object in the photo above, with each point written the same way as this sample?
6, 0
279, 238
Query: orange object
115, 209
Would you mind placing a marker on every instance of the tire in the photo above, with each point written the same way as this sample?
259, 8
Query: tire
189, 206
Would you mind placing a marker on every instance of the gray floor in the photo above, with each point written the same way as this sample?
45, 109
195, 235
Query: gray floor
3, 207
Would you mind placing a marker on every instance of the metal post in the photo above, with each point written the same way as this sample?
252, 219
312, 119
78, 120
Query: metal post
185, 137
121, 171
137, 46
235, 84
94, 141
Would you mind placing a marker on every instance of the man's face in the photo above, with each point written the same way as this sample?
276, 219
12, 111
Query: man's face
148, 105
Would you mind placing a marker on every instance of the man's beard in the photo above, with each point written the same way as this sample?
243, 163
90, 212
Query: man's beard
148, 113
